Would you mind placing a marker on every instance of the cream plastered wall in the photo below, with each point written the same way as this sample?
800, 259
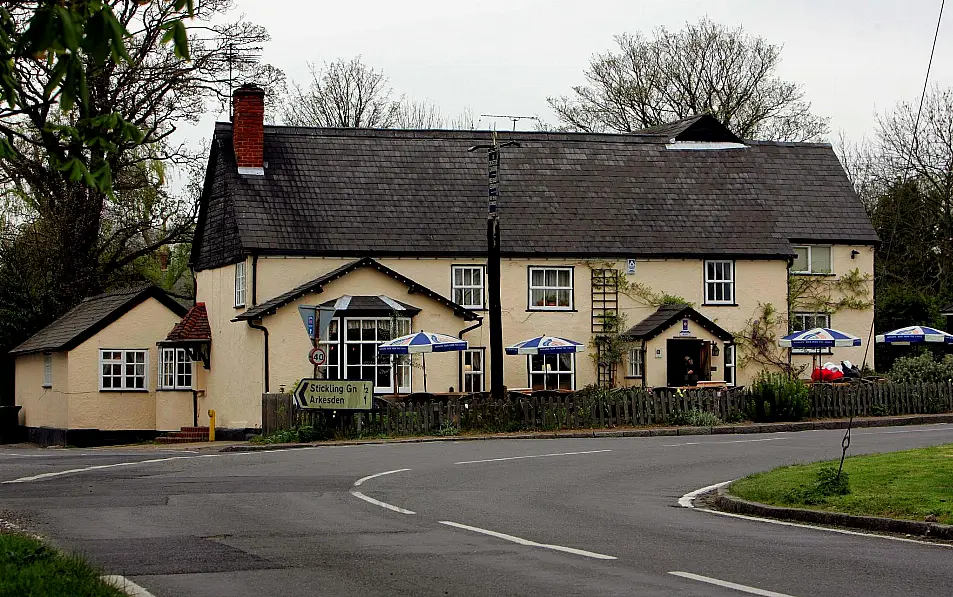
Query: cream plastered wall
174, 408
656, 369
858, 323
89, 408
42, 407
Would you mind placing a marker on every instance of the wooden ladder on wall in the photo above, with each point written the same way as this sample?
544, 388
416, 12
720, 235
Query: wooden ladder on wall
605, 308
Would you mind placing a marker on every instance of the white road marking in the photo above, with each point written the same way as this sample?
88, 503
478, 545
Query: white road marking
729, 585
97, 467
688, 501
736, 441
945, 428
528, 543
127, 586
371, 500
533, 456
369, 477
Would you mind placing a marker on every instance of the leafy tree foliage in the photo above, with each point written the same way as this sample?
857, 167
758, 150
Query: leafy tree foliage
704, 67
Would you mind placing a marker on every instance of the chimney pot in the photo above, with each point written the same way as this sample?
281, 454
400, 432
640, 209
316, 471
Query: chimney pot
248, 129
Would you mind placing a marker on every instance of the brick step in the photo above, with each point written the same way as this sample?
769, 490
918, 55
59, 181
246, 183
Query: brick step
178, 440
193, 430
194, 436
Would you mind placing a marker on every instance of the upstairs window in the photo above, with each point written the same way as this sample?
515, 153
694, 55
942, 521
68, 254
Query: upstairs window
467, 285
812, 259
240, 284
123, 370
801, 321
47, 370
719, 282
550, 288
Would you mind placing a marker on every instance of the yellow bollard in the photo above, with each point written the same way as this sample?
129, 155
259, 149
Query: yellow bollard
211, 425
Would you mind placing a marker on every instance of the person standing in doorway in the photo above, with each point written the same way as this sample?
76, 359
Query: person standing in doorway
691, 377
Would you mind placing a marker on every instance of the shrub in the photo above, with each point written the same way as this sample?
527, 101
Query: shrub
777, 397
922, 368
694, 418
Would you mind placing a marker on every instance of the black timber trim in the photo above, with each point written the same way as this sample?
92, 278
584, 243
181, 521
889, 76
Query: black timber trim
270, 307
675, 315
549, 254
134, 300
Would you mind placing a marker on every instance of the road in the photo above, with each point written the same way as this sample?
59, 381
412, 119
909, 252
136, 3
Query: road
508, 517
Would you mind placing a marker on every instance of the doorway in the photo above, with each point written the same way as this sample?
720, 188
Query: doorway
699, 351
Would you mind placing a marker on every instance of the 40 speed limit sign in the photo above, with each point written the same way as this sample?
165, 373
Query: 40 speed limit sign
317, 356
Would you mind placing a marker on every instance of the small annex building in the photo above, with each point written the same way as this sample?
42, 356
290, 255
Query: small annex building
90, 377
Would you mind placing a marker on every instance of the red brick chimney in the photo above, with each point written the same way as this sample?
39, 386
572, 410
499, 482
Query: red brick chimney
248, 129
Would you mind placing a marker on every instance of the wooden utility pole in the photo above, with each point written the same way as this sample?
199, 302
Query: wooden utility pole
493, 264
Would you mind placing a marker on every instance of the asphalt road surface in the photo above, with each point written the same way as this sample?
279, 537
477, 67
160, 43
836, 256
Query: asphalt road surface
508, 517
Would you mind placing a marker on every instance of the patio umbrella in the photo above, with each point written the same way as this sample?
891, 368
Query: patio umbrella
545, 345
915, 334
818, 338
422, 342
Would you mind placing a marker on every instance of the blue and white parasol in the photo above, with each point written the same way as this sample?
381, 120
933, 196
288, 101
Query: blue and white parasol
545, 345
819, 338
422, 342
915, 334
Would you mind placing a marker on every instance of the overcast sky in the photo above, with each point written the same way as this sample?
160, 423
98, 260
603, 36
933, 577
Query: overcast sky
853, 57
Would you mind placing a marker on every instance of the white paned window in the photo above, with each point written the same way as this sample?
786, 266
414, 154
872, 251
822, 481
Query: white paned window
47, 371
801, 321
719, 282
635, 363
473, 371
331, 343
550, 288
730, 364
240, 284
123, 369
812, 259
552, 371
362, 336
175, 369
467, 285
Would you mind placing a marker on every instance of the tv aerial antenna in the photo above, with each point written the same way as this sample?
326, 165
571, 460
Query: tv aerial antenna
512, 117
239, 59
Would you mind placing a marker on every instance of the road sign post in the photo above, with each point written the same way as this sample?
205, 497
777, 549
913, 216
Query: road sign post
321, 394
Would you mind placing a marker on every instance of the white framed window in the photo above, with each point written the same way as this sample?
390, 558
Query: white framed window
552, 371
550, 288
801, 320
719, 282
635, 363
123, 369
331, 343
812, 259
175, 369
730, 357
467, 286
47, 370
240, 284
473, 372
362, 336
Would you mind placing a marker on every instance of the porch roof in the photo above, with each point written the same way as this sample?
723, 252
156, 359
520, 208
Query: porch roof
666, 316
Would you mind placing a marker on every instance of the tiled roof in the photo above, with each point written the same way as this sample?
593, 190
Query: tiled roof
360, 192
701, 127
193, 327
270, 306
668, 315
92, 315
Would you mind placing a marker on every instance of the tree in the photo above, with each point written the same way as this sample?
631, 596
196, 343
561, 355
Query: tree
94, 236
705, 67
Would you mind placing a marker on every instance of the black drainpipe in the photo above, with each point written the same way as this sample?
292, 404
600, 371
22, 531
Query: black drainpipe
254, 302
460, 335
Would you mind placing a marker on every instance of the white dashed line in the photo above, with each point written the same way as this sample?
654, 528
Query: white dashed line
533, 456
97, 467
736, 441
369, 477
528, 543
729, 585
371, 500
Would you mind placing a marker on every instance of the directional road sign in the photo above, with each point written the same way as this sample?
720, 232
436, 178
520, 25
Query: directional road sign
335, 395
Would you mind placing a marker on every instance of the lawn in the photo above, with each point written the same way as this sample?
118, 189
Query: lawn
28, 567
912, 485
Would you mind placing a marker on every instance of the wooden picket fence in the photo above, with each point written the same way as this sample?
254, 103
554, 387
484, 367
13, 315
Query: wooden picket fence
592, 409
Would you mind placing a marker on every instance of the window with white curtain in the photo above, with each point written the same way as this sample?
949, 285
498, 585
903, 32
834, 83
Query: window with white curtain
240, 284
175, 369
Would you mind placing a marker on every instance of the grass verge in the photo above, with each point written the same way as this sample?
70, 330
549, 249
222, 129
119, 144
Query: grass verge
28, 567
913, 485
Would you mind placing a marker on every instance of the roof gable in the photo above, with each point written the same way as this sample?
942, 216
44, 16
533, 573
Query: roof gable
701, 127
666, 316
91, 316
271, 306
193, 327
